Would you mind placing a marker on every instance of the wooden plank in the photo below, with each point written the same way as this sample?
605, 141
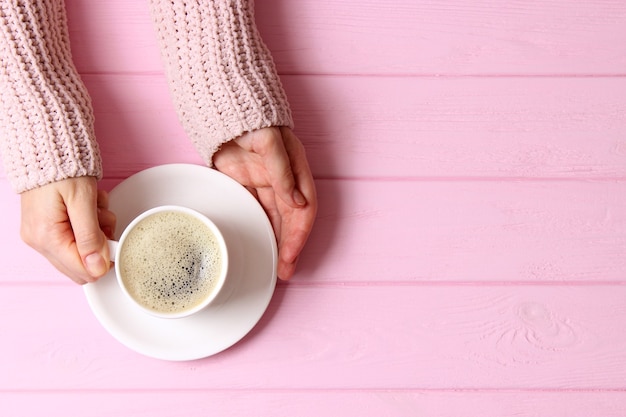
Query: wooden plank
461, 127
446, 37
467, 232
341, 337
372, 37
311, 403
398, 127
112, 36
136, 124
434, 231
469, 248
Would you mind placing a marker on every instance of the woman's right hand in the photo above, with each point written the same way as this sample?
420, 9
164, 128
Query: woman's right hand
271, 162
69, 222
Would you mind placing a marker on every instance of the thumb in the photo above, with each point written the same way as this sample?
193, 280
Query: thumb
91, 243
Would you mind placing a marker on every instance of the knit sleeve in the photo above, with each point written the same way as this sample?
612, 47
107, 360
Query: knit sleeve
46, 119
221, 75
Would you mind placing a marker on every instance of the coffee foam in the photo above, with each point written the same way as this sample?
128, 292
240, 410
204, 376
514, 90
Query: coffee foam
170, 262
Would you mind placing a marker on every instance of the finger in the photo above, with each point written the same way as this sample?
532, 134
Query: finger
292, 228
294, 236
301, 221
286, 270
296, 225
278, 165
90, 240
59, 248
267, 199
45, 227
288, 253
300, 166
77, 275
107, 221
286, 263
102, 199
62, 253
106, 218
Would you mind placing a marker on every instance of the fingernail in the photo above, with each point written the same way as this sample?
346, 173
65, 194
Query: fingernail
95, 265
298, 197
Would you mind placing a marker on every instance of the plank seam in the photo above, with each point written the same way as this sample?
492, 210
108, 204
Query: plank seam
357, 284
386, 75
177, 391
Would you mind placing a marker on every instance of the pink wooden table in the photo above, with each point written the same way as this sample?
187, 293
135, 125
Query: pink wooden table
469, 257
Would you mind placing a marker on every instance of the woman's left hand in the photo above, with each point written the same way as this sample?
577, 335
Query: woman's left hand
271, 162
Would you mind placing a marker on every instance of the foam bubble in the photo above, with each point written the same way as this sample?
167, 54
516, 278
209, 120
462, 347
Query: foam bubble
170, 262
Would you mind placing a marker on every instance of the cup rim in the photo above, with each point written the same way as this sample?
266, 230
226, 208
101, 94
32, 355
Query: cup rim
221, 279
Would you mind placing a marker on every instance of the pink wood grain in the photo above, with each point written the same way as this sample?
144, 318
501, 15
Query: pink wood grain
446, 37
462, 127
398, 127
344, 403
436, 231
374, 37
342, 337
469, 254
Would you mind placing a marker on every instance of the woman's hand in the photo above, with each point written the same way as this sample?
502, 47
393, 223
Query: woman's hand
272, 164
68, 222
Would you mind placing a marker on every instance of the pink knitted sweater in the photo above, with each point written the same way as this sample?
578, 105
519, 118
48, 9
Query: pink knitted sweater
221, 76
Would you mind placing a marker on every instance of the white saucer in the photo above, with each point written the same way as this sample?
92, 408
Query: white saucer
252, 265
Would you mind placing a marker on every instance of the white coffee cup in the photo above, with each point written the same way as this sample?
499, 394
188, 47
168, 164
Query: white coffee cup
170, 261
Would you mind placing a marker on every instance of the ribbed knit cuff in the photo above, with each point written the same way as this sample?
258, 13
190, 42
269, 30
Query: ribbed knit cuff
221, 75
46, 119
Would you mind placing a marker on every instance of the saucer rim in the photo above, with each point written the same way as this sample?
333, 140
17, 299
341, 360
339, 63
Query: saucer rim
269, 284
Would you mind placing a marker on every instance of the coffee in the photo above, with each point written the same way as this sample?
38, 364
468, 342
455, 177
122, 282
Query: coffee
170, 262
